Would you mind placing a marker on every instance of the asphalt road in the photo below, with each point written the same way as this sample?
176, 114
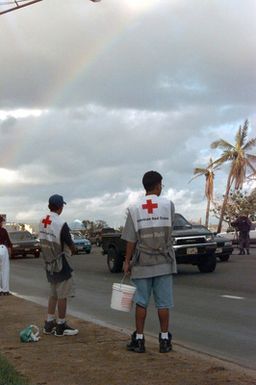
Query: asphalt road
214, 313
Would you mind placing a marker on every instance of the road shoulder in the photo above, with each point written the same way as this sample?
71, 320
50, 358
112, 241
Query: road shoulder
97, 355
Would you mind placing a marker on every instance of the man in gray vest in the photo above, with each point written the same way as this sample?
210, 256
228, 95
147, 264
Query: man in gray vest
57, 246
150, 258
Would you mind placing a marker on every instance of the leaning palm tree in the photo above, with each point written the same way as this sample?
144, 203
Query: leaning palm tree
208, 172
240, 160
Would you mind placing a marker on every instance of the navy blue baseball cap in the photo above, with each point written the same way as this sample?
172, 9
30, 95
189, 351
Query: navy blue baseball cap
57, 200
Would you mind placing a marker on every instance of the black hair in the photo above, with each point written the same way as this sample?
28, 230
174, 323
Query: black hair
151, 179
53, 207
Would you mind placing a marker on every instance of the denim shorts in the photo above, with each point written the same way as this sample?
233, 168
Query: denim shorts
162, 291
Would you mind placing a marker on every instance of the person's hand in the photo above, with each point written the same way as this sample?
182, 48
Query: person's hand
127, 267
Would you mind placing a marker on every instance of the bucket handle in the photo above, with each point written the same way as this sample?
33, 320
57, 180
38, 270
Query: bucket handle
123, 279
124, 276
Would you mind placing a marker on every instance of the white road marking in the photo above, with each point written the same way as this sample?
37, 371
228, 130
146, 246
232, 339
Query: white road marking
231, 296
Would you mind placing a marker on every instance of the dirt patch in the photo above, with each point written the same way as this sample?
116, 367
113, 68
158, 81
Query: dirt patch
97, 356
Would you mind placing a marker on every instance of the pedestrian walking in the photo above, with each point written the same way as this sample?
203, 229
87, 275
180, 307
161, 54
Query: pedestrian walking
150, 259
57, 247
5, 253
243, 225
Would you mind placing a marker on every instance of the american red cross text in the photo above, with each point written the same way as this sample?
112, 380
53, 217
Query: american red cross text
46, 221
150, 206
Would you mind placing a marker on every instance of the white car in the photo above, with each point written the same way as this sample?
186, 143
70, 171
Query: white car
233, 236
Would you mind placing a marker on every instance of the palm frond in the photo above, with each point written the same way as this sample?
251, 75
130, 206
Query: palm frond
226, 156
223, 144
199, 172
251, 143
238, 137
244, 132
251, 157
251, 167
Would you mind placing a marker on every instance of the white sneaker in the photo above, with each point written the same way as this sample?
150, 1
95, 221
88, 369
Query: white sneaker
65, 330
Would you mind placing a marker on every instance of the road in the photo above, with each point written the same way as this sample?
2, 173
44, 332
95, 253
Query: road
214, 313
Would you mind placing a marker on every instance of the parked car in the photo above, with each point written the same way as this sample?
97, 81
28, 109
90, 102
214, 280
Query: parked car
81, 243
24, 243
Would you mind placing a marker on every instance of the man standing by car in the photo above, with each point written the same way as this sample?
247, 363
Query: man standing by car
243, 225
151, 259
5, 253
57, 247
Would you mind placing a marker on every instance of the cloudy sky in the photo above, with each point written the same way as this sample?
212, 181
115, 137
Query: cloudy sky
95, 94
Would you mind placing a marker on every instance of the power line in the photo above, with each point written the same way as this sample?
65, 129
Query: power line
26, 3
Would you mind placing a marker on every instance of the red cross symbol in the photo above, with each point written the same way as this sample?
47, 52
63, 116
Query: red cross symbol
150, 206
46, 221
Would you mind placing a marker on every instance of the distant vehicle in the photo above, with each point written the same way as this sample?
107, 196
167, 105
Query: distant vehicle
96, 236
24, 243
224, 245
81, 243
233, 236
192, 245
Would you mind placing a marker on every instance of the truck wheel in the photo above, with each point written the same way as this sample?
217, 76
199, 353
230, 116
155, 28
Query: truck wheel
115, 262
224, 258
207, 264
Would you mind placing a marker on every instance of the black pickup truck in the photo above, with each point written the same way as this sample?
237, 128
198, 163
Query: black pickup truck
192, 245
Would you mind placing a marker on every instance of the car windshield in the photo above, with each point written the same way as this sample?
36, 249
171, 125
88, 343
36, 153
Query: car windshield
20, 236
77, 236
180, 222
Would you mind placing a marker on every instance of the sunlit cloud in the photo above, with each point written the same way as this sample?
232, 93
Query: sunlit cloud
21, 113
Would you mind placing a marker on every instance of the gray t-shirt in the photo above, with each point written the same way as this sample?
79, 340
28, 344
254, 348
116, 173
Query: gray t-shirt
167, 263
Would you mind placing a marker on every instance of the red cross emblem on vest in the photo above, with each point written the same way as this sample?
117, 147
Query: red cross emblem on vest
46, 221
150, 206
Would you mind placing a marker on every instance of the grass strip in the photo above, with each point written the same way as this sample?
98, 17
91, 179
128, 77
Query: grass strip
8, 374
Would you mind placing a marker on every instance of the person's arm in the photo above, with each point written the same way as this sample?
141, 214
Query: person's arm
65, 237
129, 234
130, 247
8, 243
172, 212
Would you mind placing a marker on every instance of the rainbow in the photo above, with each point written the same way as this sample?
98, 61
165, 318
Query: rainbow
63, 85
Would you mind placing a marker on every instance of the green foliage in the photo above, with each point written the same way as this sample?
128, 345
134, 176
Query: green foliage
97, 225
238, 203
8, 375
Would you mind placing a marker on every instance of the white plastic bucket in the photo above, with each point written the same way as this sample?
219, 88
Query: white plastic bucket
122, 296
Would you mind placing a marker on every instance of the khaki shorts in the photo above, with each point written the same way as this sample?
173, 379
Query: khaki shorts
63, 289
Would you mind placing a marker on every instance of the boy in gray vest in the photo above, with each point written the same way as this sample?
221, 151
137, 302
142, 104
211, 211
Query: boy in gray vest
57, 246
150, 259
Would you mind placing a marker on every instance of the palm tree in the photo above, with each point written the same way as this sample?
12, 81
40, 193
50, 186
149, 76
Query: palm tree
209, 179
240, 160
